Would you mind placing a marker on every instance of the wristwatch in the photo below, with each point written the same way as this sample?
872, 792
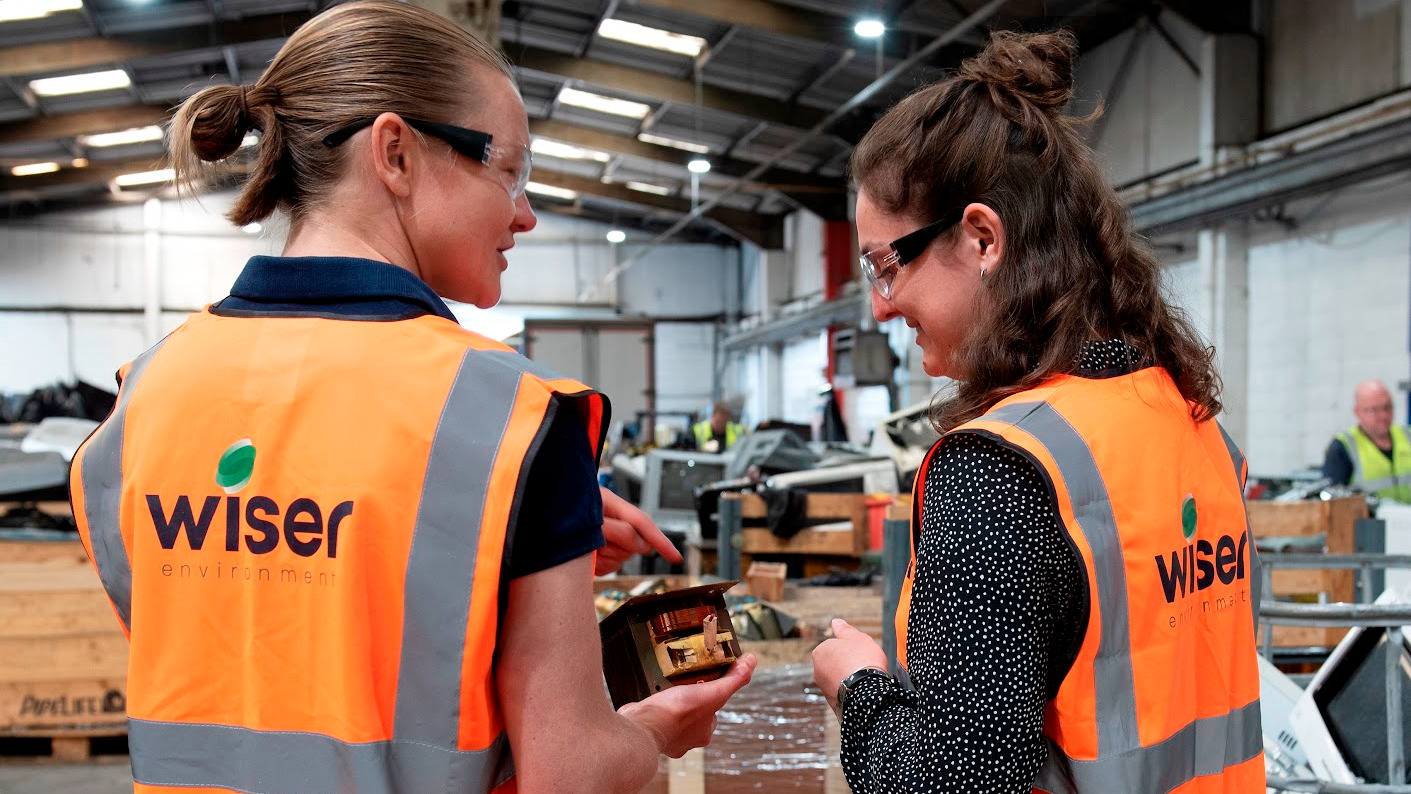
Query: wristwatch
850, 683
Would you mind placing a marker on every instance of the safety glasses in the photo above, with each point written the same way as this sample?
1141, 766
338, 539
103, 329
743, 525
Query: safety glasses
880, 265
516, 161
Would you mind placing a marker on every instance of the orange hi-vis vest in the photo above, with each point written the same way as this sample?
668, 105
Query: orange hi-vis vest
301, 523
1163, 694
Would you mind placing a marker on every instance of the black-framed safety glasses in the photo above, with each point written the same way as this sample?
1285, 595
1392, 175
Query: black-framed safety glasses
473, 144
880, 265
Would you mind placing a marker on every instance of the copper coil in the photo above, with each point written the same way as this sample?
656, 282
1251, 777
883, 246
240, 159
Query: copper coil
689, 619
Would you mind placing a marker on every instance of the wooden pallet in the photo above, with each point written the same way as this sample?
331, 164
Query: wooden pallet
1335, 520
80, 745
63, 656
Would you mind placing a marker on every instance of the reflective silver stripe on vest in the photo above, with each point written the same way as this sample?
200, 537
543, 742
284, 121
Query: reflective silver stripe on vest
445, 545
101, 476
1116, 692
1205, 747
1256, 580
285, 762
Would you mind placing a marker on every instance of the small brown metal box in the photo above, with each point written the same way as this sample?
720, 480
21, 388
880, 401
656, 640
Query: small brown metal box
655, 641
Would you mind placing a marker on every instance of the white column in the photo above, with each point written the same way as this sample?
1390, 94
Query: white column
1229, 94
152, 270
1224, 296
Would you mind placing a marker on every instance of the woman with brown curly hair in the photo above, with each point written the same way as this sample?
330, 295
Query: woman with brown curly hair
1079, 615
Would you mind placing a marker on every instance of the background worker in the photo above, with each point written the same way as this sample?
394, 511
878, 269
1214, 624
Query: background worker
1051, 643
718, 433
352, 542
1373, 455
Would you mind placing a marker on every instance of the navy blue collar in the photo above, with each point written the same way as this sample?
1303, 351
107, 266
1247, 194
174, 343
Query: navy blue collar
331, 286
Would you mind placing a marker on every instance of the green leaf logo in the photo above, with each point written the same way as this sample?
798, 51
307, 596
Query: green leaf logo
236, 465
1188, 517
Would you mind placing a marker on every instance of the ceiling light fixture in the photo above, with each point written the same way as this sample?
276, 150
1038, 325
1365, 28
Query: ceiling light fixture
675, 143
604, 104
79, 162
648, 187
698, 166
145, 178
564, 151
109, 80
869, 28
34, 168
122, 137
541, 189
15, 10
655, 38
616, 236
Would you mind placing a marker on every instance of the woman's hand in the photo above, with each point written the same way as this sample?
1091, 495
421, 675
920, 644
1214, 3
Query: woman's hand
849, 651
628, 531
682, 717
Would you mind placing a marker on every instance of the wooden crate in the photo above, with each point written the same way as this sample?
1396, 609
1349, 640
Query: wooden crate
1335, 519
830, 507
63, 656
816, 550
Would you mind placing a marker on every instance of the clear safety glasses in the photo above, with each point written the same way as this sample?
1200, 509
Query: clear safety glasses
515, 161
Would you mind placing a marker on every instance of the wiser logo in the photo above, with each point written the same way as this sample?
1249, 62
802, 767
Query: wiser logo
259, 522
1196, 566
236, 465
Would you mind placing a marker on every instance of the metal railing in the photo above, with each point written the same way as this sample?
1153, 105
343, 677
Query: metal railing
1391, 617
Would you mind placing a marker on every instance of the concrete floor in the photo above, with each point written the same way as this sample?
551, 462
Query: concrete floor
106, 778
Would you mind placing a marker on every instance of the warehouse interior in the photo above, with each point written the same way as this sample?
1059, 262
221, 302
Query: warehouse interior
696, 246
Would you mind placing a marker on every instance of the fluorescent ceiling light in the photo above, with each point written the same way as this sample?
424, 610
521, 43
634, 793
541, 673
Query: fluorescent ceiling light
616, 236
648, 187
13, 10
122, 137
542, 189
563, 151
604, 104
869, 28
80, 83
675, 143
698, 166
655, 38
34, 168
145, 178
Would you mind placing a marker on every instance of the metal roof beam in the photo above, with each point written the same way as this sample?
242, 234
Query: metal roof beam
1317, 171
78, 54
824, 196
84, 122
653, 85
830, 28
766, 231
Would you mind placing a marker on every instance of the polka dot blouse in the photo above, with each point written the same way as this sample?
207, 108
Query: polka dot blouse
997, 615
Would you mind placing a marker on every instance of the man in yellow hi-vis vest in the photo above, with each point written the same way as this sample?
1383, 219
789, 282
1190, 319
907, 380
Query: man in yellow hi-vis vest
718, 433
1374, 455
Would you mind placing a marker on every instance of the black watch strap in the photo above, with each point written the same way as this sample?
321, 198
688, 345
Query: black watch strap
850, 683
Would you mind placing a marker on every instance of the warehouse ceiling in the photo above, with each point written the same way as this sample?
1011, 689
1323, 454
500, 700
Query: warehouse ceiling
743, 80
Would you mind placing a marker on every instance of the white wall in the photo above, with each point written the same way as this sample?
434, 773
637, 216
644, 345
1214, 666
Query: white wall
1152, 123
685, 366
1327, 55
1329, 305
73, 284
